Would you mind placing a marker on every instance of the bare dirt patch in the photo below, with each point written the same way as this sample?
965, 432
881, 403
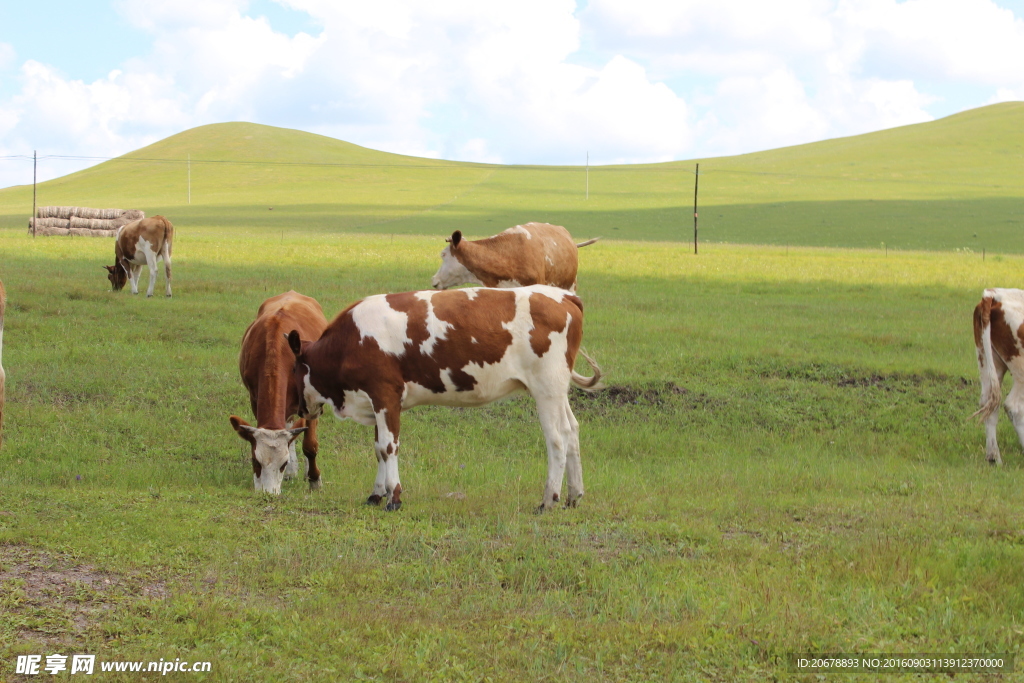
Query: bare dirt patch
623, 395
52, 599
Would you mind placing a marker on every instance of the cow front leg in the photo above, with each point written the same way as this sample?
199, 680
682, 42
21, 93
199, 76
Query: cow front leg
310, 449
133, 279
557, 432
151, 265
386, 447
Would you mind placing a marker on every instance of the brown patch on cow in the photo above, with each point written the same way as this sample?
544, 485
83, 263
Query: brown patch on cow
548, 317
1004, 341
390, 449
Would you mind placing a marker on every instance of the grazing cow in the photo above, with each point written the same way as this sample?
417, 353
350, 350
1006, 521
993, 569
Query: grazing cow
265, 363
531, 254
144, 241
465, 347
999, 339
3, 376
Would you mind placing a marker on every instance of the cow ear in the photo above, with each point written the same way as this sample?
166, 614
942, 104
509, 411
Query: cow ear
294, 343
456, 238
110, 269
244, 429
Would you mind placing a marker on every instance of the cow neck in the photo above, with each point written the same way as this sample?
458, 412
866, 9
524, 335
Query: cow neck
272, 390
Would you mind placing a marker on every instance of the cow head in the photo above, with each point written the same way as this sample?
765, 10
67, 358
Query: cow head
118, 276
272, 450
311, 403
452, 271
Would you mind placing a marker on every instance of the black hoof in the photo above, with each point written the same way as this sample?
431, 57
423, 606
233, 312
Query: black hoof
374, 499
391, 507
539, 510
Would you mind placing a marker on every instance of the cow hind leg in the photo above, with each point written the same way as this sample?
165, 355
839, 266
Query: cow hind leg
167, 266
553, 413
573, 464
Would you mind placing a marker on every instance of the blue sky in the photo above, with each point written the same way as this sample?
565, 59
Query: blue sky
531, 81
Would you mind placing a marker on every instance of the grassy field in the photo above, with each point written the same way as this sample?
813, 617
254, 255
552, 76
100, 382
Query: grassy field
784, 464
953, 183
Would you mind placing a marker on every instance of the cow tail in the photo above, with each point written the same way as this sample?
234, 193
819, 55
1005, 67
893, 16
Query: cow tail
587, 243
592, 383
991, 395
168, 235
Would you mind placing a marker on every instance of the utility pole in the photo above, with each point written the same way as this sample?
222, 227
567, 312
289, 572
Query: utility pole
588, 175
34, 164
696, 177
190, 177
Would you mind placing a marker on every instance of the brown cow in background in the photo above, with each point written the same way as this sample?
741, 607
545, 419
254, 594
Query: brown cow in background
265, 363
530, 254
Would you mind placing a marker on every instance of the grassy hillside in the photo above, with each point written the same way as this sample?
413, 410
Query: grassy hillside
953, 183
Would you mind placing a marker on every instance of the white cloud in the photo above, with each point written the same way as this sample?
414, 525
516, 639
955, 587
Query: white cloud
536, 81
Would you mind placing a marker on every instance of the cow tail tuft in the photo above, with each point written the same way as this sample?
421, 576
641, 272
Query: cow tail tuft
991, 395
592, 383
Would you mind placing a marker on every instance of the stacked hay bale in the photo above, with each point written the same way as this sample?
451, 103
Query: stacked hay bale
81, 220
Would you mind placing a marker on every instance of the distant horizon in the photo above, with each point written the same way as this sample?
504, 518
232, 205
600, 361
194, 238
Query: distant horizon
102, 159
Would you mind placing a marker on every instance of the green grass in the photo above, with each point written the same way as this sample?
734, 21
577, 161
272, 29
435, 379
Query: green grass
953, 183
785, 465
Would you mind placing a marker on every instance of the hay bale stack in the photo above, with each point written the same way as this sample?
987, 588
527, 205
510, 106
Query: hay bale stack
50, 223
72, 220
91, 223
52, 231
88, 232
64, 212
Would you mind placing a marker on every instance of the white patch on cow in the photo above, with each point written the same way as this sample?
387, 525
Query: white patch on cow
471, 293
472, 339
375, 319
356, 405
437, 329
452, 273
519, 230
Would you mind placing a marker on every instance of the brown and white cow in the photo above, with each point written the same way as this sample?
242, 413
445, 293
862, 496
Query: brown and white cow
464, 347
266, 362
3, 376
141, 242
531, 254
999, 340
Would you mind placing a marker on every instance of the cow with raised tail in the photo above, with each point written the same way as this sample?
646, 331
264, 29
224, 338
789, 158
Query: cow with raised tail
142, 242
530, 254
464, 347
265, 363
998, 331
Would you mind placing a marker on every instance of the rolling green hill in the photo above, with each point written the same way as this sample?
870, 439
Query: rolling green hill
953, 183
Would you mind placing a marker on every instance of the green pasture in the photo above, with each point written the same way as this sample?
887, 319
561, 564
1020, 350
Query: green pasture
954, 183
783, 463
